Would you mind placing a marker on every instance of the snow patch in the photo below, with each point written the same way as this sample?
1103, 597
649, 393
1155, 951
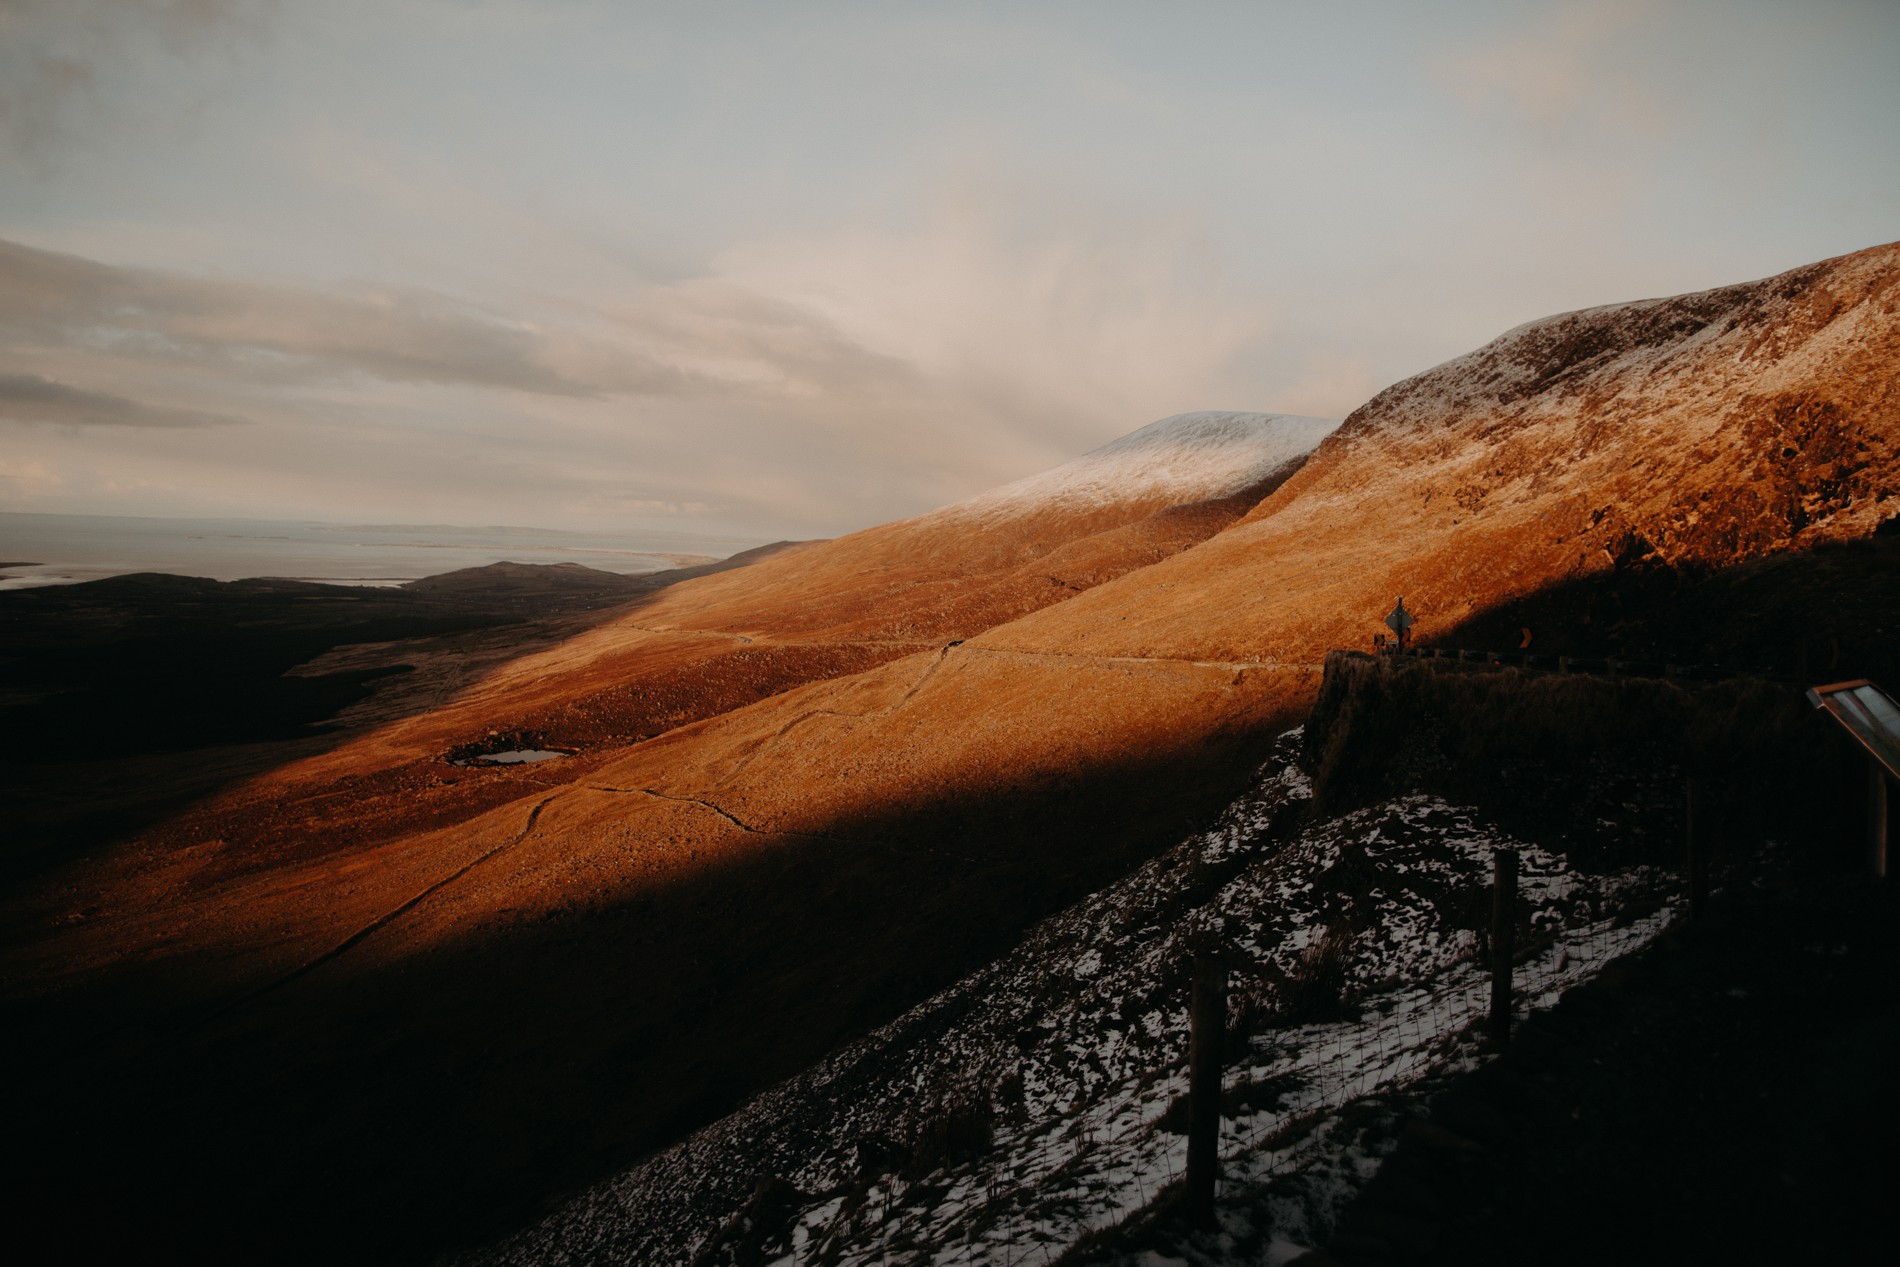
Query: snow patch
1185, 458
1070, 1051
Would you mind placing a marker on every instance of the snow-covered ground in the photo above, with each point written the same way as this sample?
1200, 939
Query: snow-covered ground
1186, 457
1041, 1098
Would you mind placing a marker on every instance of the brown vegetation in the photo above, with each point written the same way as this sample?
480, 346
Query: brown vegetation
1592, 766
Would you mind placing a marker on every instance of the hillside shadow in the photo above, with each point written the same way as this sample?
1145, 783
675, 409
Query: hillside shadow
1821, 615
128, 699
385, 1113
1610, 756
1595, 767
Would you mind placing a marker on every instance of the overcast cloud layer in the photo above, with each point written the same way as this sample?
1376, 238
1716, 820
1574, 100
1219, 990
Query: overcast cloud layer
785, 270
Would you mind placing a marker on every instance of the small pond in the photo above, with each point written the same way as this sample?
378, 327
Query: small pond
514, 756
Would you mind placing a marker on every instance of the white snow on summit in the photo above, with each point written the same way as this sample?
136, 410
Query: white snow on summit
1187, 457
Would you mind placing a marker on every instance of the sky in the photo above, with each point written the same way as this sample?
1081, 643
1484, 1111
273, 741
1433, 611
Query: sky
788, 270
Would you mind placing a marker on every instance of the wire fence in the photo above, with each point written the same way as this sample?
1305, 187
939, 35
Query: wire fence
1052, 1183
1077, 1043
1609, 666
1407, 1033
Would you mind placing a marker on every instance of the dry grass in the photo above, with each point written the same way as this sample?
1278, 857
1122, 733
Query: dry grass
1588, 764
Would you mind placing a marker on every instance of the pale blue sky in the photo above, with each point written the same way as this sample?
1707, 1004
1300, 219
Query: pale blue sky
793, 269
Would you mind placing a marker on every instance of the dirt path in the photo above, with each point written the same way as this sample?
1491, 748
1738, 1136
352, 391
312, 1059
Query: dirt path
383, 921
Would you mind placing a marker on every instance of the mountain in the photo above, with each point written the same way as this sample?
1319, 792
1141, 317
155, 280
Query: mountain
796, 614
811, 791
328, 849
1700, 432
1177, 461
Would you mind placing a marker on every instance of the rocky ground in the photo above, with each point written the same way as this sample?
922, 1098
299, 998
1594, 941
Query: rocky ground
1035, 1109
1726, 1097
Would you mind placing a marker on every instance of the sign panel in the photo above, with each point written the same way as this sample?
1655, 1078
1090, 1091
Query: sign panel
1869, 714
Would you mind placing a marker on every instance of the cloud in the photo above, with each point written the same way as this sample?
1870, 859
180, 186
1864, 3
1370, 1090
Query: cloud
271, 331
811, 380
647, 505
31, 398
726, 339
1035, 322
72, 71
701, 339
1332, 385
1562, 74
28, 480
1017, 316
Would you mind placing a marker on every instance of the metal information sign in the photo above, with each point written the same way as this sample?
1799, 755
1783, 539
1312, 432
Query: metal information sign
1400, 621
1870, 715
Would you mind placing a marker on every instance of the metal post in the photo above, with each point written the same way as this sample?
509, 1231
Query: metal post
1877, 820
1503, 941
1698, 854
1207, 1020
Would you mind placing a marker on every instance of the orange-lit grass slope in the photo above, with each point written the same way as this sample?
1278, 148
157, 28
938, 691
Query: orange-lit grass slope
604, 953
235, 957
1703, 429
1697, 431
310, 853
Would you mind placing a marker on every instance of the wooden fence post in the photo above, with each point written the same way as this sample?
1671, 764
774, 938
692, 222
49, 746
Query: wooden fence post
1877, 823
1503, 941
1207, 1023
1698, 853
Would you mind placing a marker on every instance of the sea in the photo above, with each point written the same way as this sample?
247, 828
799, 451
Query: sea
64, 549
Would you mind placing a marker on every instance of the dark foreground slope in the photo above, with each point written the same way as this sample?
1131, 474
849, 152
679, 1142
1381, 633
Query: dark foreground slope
1726, 1097
127, 698
1036, 1106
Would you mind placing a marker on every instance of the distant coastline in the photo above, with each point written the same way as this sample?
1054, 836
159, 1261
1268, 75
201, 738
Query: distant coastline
67, 549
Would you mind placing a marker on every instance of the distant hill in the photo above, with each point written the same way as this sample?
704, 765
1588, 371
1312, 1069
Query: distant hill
794, 613
553, 577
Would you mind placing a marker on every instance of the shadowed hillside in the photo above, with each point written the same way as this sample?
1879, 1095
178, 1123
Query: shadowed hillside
135, 695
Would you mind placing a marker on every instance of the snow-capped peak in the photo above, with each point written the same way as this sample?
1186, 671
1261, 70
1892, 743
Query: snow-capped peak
1186, 457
